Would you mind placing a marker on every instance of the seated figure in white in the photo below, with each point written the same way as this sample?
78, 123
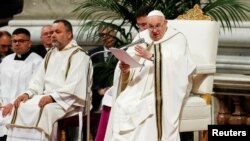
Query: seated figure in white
60, 86
148, 99
16, 71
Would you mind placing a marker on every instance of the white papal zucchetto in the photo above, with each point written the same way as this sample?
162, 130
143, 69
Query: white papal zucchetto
156, 13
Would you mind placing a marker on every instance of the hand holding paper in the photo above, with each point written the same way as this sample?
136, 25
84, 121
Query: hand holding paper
125, 57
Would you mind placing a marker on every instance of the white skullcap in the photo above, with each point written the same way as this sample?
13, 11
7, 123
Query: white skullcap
156, 13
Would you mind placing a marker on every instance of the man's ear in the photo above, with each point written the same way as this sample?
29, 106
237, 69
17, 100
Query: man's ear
70, 35
30, 43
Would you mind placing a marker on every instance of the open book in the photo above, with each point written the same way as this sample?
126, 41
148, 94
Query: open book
123, 56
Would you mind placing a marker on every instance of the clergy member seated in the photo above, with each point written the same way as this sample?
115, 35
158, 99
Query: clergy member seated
16, 71
59, 86
148, 99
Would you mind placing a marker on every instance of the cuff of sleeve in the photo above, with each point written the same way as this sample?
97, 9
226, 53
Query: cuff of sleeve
52, 98
30, 93
55, 96
59, 100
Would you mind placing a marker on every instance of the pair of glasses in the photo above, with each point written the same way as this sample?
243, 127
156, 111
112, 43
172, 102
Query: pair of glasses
5, 46
157, 27
47, 33
104, 35
21, 41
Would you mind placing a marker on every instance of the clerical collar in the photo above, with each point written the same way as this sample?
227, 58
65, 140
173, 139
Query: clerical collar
22, 57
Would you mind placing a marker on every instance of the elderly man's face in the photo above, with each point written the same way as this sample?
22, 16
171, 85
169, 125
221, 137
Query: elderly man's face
46, 34
157, 26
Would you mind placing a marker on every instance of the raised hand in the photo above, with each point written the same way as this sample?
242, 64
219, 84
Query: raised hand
142, 52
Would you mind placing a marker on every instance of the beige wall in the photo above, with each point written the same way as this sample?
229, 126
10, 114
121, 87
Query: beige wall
48, 9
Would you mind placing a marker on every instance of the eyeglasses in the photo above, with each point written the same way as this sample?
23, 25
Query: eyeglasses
105, 35
157, 27
47, 33
19, 41
5, 46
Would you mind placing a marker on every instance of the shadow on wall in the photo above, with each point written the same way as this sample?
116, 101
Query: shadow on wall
9, 8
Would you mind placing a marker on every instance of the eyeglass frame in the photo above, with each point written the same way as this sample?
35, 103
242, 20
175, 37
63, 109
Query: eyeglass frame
157, 27
47, 33
19, 41
105, 35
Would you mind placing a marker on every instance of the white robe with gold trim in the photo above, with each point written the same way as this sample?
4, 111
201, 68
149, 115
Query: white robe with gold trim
66, 80
133, 116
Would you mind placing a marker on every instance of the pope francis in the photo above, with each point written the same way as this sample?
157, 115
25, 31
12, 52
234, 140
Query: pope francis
148, 99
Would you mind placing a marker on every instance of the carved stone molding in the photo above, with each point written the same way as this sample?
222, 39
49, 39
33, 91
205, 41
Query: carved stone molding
194, 14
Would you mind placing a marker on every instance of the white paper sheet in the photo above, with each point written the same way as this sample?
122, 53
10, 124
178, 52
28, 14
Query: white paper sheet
107, 99
125, 57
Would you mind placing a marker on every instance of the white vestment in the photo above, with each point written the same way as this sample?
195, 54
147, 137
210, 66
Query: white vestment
15, 76
64, 76
133, 115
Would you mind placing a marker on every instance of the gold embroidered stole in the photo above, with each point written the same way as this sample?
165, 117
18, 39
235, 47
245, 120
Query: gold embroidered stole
158, 89
158, 84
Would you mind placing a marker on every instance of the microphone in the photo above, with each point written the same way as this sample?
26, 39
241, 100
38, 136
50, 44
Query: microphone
141, 40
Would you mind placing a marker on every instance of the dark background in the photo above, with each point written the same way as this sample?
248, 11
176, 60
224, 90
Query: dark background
9, 8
